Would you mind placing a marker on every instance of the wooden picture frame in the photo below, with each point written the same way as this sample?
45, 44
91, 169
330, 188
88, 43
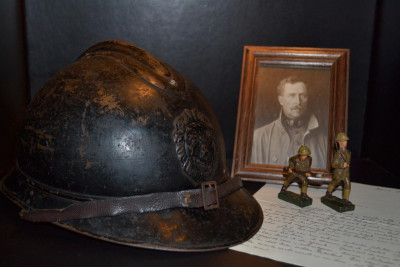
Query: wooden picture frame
267, 126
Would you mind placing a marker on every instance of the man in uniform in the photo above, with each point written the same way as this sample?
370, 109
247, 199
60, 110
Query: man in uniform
299, 168
274, 143
341, 166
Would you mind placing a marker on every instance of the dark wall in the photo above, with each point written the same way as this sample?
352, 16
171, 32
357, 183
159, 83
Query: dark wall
204, 40
382, 131
13, 85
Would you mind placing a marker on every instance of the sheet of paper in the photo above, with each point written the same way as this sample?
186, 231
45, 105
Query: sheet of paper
319, 236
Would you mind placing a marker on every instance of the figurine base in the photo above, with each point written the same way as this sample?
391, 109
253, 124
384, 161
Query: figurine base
337, 204
295, 199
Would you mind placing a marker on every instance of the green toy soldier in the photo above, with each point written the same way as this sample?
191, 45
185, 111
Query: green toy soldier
299, 168
341, 173
341, 166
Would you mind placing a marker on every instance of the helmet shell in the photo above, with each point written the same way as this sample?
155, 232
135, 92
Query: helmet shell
119, 123
342, 137
304, 151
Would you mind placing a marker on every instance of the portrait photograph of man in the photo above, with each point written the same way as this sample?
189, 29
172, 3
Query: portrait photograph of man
291, 110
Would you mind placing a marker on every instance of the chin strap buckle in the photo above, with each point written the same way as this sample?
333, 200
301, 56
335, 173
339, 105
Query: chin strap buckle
210, 195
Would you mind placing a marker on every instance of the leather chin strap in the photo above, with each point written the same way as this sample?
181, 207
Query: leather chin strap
207, 197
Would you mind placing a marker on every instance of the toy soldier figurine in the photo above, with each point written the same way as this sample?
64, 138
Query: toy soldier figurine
299, 169
341, 173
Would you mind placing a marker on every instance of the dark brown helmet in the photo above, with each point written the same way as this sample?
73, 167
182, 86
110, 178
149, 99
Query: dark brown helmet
121, 147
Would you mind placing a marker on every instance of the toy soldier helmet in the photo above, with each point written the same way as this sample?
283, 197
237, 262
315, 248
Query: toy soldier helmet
304, 151
342, 137
120, 146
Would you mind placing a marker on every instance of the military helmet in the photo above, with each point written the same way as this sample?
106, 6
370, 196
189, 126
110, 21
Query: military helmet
342, 137
120, 146
304, 151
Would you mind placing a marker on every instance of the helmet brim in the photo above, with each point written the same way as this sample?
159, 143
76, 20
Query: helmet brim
237, 219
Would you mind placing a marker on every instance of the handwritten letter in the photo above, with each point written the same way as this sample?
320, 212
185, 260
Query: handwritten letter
318, 236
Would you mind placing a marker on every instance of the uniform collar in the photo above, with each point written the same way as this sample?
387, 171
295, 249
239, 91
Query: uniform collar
311, 125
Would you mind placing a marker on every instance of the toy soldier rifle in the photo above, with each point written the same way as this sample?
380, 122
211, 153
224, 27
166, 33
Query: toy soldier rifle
342, 157
302, 173
286, 169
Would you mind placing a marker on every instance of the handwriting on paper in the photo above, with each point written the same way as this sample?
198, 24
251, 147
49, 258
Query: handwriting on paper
315, 236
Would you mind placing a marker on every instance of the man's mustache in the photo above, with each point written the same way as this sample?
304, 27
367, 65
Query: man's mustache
298, 107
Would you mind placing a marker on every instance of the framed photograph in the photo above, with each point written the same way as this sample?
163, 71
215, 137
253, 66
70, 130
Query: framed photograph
289, 97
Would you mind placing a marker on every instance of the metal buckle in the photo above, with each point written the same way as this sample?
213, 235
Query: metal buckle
208, 188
